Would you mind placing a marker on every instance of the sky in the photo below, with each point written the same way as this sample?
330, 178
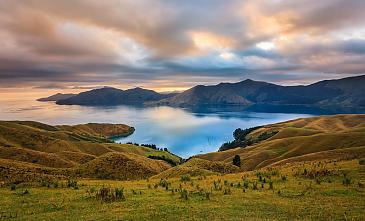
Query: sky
169, 45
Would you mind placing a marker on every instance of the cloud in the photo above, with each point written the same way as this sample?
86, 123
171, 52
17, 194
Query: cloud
128, 42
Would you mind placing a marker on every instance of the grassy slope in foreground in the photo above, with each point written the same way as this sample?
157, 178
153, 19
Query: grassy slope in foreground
301, 191
324, 137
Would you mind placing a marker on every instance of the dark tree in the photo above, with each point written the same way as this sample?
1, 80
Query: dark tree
238, 134
237, 160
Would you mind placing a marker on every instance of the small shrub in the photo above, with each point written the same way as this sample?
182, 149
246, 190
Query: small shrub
361, 185
106, 194
362, 161
72, 183
185, 178
346, 180
163, 183
55, 184
254, 186
237, 161
184, 194
227, 191
216, 186
284, 178
245, 184
271, 185
12, 187
25, 192
90, 191
318, 181
207, 195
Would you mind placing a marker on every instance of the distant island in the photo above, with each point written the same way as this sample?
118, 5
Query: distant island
335, 95
56, 97
108, 96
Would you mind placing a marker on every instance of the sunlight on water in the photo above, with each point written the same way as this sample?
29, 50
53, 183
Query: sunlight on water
182, 131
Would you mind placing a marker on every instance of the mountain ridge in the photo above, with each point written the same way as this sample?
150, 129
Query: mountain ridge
345, 92
343, 95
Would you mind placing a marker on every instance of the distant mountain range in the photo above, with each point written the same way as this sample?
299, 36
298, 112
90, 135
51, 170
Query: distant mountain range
329, 94
346, 92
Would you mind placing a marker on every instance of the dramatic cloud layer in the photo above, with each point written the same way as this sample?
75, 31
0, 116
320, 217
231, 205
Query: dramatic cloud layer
174, 44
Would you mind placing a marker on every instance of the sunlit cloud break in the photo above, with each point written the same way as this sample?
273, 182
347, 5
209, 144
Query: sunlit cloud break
164, 44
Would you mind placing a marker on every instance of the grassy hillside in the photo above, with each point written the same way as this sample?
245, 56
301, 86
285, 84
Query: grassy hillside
198, 167
318, 190
309, 169
82, 150
300, 140
122, 166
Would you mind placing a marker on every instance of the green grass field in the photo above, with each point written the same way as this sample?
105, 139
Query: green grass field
302, 191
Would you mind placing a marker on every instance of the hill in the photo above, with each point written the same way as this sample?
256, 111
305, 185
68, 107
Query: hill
121, 166
324, 137
336, 95
109, 96
67, 149
56, 97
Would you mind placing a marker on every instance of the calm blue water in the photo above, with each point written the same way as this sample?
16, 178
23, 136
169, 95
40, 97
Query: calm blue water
187, 133
182, 131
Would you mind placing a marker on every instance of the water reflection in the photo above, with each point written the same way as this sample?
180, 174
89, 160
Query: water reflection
183, 131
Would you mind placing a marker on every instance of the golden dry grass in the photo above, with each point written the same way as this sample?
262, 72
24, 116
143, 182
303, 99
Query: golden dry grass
78, 148
300, 139
297, 197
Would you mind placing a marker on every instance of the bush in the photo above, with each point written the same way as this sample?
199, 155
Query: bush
227, 191
217, 186
245, 184
164, 183
106, 194
271, 185
185, 178
346, 180
240, 140
362, 161
237, 160
184, 194
72, 183
254, 186
12, 187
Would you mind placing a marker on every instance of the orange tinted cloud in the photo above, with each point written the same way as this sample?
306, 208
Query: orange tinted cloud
131, 42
